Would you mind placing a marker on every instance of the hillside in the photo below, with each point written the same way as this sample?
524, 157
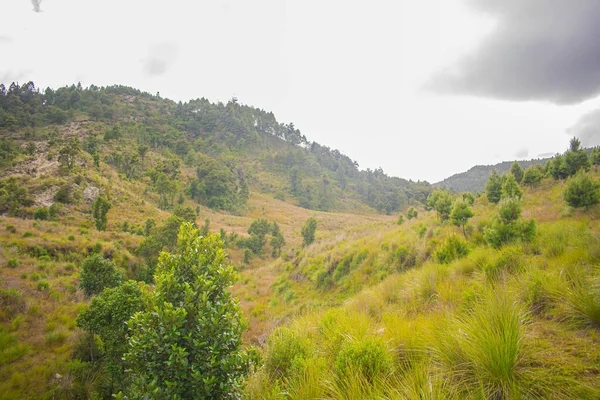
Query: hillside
475, 178
403, 293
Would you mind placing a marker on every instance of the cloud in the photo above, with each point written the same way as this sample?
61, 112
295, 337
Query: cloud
160, 58
539, 50
5, 39
587, 129
523, 153
546, 155
10, 76
36, 5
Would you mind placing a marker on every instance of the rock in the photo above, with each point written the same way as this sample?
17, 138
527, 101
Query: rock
90, 193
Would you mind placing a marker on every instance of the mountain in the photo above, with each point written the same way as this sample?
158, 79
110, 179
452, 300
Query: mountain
475, 178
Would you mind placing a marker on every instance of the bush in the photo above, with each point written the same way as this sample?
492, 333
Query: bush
369, 358
41, 214
452, 249
286, 349
11, 302
581, 191
12, 263
64, 194
43, 285
98, 273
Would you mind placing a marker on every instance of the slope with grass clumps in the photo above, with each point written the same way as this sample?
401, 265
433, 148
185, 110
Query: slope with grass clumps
514, 320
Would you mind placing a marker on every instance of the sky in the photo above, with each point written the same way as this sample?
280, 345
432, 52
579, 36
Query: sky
424, 89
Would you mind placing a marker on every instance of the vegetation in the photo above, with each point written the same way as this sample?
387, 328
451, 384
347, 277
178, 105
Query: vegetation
507, 308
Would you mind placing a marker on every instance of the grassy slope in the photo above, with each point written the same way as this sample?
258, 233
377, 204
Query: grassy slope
521, 321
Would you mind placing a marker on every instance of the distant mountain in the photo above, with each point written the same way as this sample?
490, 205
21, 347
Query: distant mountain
474, 179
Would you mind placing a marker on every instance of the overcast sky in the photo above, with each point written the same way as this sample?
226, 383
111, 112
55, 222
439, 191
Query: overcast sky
424, 89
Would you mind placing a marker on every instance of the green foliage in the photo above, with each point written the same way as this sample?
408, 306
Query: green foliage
441, 202
367, 358
308, 231
412, 213
595, 156
493, 187
400, 220
258, 231
582, 191
12, 263
516, 171
461, 213
216, 186
576, 158
468, 198
43, 285
13, 196
106, 316
286, 351
453, 248
99, 210
68, 153
507, 227
510, 188
277, 240
185, 213
533, 175
98, 273
41, 214
11, 303
187, 344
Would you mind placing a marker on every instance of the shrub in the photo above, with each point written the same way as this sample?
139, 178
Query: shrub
64, 194
369, 358
452, 249
582, 191
71, 237
11, 228
41, 214
43, 285
286, 349
98, 273
12, 263
11, 302
28, 234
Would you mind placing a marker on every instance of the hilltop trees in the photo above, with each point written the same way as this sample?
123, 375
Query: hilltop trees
187, 343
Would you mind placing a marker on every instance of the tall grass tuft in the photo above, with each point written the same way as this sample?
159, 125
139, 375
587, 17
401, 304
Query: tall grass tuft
581, 294
482, 350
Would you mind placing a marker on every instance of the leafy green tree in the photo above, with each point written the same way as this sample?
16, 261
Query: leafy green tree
106, 316
98, 273
576, 158
493, 187
557, 167
509, 210
308, 231
440, 201
516, 171
532, 176
149, 226
277, 240
295, 180
186, 213
461, 213
13, 196
507, 226
67, 155
468, 198
582, 191
258, 231
186, 345
99, 210
510, 188
167, 233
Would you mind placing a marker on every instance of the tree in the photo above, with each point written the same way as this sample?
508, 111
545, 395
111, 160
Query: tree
277, 240
106, 316
576, 158
186, 345
493, 187
67, 155
532, 176
517, 171
308, 231
468, 198
98, 273
461, 213
581, 191
99, 210
510, 188
595, 156
412, 213
295, 180
258, 231
186, 213
441, 202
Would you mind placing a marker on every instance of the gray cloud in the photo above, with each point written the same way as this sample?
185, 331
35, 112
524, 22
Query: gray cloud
523, 153
37, 5
10, 76
5, 39
587, 129
160, 57
539, 50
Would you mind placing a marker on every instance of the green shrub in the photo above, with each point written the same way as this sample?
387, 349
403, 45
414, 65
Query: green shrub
71, 238
286, 349
34, 277
582, 191
12, 263
369, 358
55, 338
28, 234
11, 302
11, 228
98, 273
41, 214
452, 249
43, 285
